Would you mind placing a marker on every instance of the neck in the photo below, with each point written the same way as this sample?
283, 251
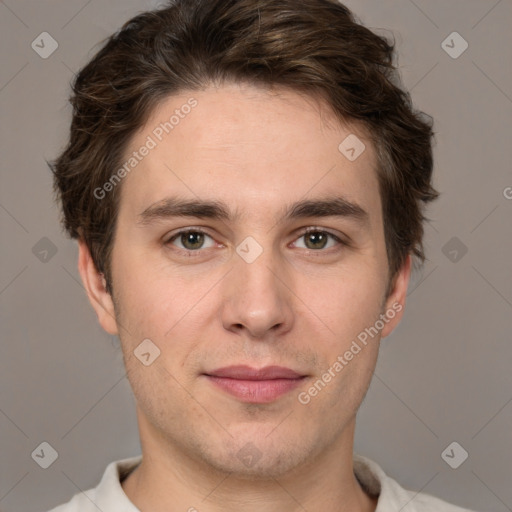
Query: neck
170, 479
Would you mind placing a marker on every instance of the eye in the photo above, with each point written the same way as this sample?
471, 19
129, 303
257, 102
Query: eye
191, 240
316, 239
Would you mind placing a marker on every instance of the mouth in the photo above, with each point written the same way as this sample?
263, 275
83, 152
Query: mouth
252, 385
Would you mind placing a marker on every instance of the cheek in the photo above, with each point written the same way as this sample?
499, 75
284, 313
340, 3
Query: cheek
170, 311
336, 394
145, 298
354, 307
346, 302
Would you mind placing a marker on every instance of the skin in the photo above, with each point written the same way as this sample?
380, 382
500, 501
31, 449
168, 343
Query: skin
294, 306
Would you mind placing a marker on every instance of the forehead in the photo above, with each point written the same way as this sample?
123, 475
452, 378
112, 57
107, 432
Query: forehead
251, 148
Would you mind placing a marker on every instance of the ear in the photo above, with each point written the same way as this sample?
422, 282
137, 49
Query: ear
395, 302
95, 286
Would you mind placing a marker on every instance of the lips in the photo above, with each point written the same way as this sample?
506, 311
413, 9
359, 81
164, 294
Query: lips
255, 386
242, 372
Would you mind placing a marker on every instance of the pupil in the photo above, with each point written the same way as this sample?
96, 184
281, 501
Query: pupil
192, 240
318, 240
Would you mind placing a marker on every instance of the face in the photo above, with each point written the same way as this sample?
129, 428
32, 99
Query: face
280, 261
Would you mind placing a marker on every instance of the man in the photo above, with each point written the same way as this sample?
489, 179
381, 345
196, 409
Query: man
246, 181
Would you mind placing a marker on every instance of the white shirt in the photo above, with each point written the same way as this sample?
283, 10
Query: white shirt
109, 496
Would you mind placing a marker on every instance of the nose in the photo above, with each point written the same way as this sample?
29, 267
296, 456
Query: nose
258, 298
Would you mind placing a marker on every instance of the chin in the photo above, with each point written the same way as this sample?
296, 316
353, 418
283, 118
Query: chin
253, 457
268, 467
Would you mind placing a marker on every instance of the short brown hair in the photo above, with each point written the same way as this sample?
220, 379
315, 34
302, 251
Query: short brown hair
316, 47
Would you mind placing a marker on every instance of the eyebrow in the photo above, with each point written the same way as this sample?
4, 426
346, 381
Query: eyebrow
217, 210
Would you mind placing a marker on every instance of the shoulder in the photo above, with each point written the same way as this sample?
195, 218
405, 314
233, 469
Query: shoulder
392, 496
79, 502
108, 495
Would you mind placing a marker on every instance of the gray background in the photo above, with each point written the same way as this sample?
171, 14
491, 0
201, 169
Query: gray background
443, 376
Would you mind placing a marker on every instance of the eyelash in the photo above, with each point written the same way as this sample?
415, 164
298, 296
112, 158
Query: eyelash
192, 253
